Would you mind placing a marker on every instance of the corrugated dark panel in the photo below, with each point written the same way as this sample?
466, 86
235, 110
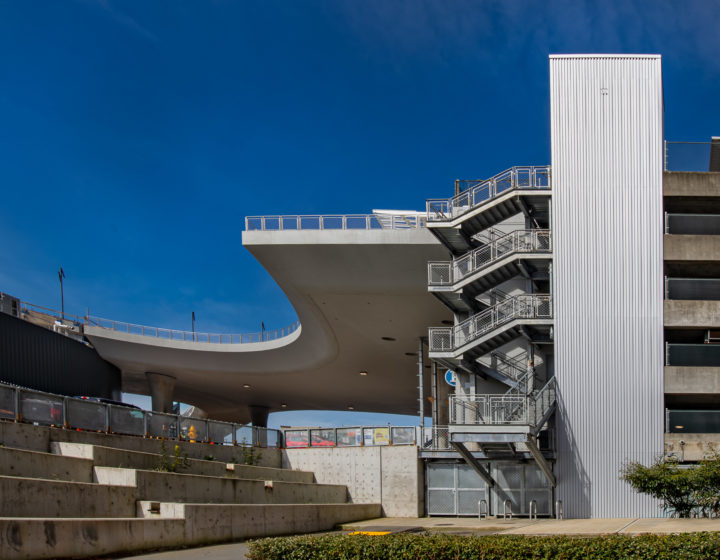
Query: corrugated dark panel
38, 358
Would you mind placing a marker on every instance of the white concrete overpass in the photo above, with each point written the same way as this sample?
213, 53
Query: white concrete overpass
361, 299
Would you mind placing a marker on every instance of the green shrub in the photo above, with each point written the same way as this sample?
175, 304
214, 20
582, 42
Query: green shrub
689, 546
683, 491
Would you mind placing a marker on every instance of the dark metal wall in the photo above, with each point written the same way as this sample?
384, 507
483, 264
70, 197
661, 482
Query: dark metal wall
38, 358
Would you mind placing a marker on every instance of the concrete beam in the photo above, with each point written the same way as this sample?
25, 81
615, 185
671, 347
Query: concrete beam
692, 380
691, 447
692, 314
691, 248
691, 184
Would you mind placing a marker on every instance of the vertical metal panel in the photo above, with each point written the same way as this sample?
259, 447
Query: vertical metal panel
606, 126
35, 357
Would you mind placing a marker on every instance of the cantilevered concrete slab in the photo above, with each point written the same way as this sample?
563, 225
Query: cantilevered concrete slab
361, 299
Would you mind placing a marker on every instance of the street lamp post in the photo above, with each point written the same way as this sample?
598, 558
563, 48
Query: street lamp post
61, 276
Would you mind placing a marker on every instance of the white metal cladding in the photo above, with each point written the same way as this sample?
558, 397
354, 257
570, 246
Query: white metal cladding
606, 127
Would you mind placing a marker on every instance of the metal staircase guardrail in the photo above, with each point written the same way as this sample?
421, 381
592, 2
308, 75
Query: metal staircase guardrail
530, 306
503, 409
519, 241
335, 222
477, 192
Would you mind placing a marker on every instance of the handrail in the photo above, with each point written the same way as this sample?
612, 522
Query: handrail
478, 192
529, 306
519, 241
335, 222
498, 409
158, 332
22, 404
173, 334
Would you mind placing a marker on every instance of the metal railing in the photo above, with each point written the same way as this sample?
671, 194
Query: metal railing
503, 409
335, 222
436, 438
692, 156
530, 306
173, 334
516, 242
38, 407
358, 436
476, 192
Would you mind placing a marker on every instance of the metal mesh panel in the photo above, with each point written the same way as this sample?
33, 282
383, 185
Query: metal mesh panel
469, 479
41, 408
193, 429
162, 425
441, 475
441, 339
439, 274
441, 502
220, 432
542, 498
467, 501
124, 420
85, 415
7, 402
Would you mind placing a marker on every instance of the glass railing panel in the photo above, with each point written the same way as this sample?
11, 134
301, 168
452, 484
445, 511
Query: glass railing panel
693, 288
692, 224
693, 355
693, 421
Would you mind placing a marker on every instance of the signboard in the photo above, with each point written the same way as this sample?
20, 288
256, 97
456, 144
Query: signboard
450, 378
381, 436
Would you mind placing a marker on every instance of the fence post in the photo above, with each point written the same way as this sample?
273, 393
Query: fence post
64, 412
18, 416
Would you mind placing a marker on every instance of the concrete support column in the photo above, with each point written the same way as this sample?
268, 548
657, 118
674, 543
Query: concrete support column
161, 391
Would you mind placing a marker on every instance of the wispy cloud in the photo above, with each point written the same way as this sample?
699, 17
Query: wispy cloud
106, 7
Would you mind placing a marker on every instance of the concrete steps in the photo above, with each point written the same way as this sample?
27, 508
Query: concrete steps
101, 456
189, 488
65, 493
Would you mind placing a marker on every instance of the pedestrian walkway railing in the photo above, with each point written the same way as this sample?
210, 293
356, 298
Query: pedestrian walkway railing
436, 438
692, 156
529, 306
516, 242
358, 436
189, 336
335, 222
503, 409
474, 193
37, 407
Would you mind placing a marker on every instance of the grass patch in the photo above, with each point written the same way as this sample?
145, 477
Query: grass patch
687, 546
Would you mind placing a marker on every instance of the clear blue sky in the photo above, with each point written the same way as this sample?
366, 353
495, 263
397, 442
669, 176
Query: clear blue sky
137, 135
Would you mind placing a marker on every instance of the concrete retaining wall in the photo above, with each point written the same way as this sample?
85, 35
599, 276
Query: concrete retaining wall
172, 487
110, 457
201, 524
33, 464
33, 497
390, 475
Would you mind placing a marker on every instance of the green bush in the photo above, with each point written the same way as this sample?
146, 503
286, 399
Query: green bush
688, 546
684, 491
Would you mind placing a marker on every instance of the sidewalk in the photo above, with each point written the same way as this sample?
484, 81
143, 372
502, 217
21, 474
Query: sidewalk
519, 526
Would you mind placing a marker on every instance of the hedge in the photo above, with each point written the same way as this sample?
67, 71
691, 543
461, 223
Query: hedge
688, 546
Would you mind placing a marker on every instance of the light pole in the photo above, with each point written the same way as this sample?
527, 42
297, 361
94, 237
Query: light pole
193, 325
61, 276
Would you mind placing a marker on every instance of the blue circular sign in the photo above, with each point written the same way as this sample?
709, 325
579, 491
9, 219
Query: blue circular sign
450, 378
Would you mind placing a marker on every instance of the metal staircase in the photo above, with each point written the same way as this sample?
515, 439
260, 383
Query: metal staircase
494, 426
460, 346
525, 252
485, 203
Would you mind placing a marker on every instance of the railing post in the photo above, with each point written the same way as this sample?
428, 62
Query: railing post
18, 416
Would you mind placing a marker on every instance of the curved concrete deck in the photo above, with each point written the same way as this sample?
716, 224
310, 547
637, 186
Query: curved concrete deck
349, 288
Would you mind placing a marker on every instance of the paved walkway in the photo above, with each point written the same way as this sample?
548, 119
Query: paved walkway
516, 526
471, 526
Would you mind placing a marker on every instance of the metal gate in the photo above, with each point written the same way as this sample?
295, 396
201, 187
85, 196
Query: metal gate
454, 489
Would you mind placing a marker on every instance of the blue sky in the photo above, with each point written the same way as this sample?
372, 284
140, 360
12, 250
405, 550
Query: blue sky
137, 135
